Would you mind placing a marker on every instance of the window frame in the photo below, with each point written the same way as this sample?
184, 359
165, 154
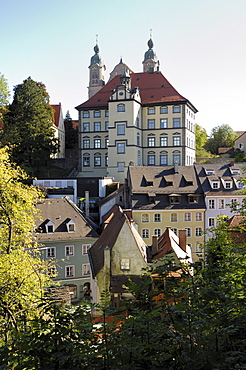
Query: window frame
121, 128
157, 217
163, 141
85, 248
176, 122
121, 148
173, 217
50, 255
151, 124
69, 248
121, 107
67, 268
145, 233
84, 265
97, 126
146, 217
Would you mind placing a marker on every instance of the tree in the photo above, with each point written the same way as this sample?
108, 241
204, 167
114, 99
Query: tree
221, 137
201, 137
28, 127
22, 277
71, 133
4, 95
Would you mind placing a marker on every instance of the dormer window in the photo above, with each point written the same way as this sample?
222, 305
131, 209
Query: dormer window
174, 198
228, 184
235, 171
215, 184
49, 227
193, 198
70, 226
209, 172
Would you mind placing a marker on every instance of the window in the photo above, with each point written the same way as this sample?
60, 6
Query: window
151, 110
188, 232
176, 158
151, 141
106, 113
198, 216
52, 271
163, 123
86, 127
211, 204
198, 248
70, 226
86, 161
106, 125
97, 113
164, 110
106, 160
221, 204
86, 270
121, 108
175, 230
157, 217
121, 148
50, 228
97, 143
145, 233
86, 114
187, 216
174, 199
176, 122
85, 248
211, 222
198, 231
193, 198
86, 144
157, 232
69, 250
163, 141
137, 122
176, 109
215, 185
228, 184
121, 166
176, 141
50, 252
97, 126
120, 129
69, 271
163, 159
97, 161
106, 143
58, 184
151, 160
145, 217
174, 217
125, 264
138, 139
151, 124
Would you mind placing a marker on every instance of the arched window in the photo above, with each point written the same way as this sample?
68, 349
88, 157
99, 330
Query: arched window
187, 216
121, 108
157, 232
145, 233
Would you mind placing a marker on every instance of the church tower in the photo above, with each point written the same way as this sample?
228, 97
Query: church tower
150, 63
97, 69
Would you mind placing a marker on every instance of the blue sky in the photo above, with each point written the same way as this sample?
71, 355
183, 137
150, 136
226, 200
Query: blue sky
201, 45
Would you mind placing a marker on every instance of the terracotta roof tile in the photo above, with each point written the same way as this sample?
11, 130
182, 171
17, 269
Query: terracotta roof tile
154, 88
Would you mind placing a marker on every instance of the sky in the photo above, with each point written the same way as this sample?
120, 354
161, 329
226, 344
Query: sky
201, 46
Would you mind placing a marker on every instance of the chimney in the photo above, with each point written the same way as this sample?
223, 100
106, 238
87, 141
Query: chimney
128, 213
232, 163
87, 203
182, 239
154, 244
176, 167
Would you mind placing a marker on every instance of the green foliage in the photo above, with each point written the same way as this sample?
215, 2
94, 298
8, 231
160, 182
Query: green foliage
201, 137
221, 137
71, 133
22, 273
28, 127
4, 95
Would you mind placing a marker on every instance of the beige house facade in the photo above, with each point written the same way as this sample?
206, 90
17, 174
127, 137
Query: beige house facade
136, 118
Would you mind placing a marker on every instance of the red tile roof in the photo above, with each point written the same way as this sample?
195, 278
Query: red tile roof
154, 88
57, 109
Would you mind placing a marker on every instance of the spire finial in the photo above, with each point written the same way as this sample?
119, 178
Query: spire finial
150, 32
97, 38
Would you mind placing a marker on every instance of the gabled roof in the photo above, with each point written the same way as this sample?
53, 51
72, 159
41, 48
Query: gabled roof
169, 241
59, 211
57, 109
109, 237
154, 89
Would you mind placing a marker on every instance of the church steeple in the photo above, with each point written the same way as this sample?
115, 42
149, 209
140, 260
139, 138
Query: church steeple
151, 62
97, 69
